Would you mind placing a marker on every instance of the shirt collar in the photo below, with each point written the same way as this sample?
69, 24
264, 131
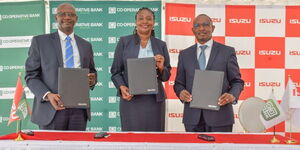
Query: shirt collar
208, 43
63, 36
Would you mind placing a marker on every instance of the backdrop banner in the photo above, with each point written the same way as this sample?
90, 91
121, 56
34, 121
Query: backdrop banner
102, 23
19, 22
266, 40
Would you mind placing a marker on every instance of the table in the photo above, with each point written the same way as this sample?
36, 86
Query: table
140, 140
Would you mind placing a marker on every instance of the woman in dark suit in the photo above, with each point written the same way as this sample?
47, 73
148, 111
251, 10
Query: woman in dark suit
141, 112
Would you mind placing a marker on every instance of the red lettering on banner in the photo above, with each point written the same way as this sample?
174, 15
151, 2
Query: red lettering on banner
248, 77
180, 19
297, 84
240, 21
269, 52
216, 20
174, 50
294, 21
294, 52
269, 20
175, 115
236, 116
295, 93
243, 52
169, 85
277, 84
247, 84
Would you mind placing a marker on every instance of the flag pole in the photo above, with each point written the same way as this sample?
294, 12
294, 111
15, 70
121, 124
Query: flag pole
290, 139
274, 139
18, 130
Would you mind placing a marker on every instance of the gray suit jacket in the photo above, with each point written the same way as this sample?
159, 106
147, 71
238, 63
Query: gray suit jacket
222, 58
44, 59
128, 47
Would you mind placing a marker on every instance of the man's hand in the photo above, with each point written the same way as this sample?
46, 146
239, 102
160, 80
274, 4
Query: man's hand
125, 93
185, 96
160, 60
55, 101
226, 98
92, 79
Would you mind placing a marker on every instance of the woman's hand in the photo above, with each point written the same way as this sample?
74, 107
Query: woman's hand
160, 60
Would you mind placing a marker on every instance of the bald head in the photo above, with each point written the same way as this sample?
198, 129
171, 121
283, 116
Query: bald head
203, 28
65, 5
66, 18
201, 16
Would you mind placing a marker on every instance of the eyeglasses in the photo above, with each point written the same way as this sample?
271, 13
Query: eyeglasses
64, 14
204, 25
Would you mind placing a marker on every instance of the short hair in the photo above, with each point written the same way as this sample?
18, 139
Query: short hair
65, 4
204, 15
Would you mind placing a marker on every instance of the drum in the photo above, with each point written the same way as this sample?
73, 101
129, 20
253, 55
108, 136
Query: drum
249, 113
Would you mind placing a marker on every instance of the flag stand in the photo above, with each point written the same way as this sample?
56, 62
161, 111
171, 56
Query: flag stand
274, 139
290, 139
18, 131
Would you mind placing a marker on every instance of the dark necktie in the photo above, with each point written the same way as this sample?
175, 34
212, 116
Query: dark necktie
202, 59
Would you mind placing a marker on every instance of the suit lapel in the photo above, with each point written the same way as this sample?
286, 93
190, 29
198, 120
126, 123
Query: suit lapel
213, 54
154, 46
57, 48
80, 50
135, 48
194, 57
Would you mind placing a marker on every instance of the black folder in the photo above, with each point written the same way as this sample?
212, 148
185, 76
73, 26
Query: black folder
207, 88
142, 77
73, 87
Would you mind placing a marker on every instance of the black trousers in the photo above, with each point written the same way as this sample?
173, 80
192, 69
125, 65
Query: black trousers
68, 119
203, 127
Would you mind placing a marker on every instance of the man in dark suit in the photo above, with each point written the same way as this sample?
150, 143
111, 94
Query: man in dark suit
219, 58
46, 54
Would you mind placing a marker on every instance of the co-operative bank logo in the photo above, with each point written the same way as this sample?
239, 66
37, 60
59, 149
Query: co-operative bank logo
112, 40
111, 85
112, 25
114, 128
113, 114
112, 10
112, 99
111, 54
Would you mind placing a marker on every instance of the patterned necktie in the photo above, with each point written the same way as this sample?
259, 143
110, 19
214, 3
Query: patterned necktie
202, 59
69, 53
